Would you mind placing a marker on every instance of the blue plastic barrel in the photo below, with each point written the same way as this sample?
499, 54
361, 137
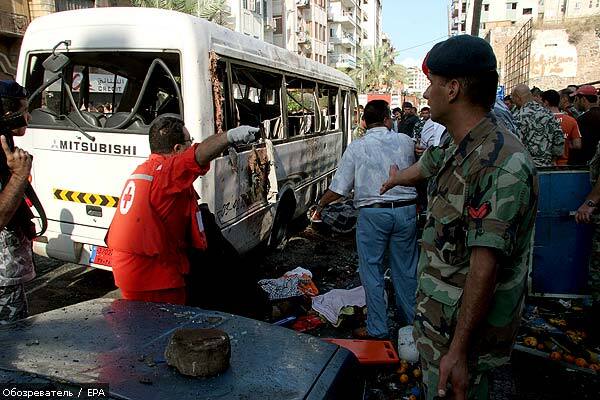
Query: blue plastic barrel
562, 247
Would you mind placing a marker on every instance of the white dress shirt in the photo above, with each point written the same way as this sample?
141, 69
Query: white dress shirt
431, 133
365, 165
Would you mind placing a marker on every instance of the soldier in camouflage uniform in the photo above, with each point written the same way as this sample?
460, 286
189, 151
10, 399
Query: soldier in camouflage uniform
588, 213
16, 228
477, 240
540, 131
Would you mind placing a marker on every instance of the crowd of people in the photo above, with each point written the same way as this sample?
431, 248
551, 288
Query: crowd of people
463, 290
479, 157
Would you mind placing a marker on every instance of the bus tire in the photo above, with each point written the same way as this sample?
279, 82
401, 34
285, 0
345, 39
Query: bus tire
283, 217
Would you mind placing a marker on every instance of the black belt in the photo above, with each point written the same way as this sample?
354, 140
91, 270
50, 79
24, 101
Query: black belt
392, 204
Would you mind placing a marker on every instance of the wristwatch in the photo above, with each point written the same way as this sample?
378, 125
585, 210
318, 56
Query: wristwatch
591, 203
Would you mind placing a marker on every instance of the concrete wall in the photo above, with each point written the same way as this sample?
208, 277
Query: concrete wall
556, 62
39, 8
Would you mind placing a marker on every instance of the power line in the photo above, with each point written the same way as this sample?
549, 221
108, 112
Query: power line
423, 44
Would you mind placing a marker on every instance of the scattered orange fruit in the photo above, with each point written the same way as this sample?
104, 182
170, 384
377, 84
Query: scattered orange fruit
580, 362
530, 341
412, 397
403, 378
555, 355
569, 358
540, 346
417, 373
595, 367
403, 368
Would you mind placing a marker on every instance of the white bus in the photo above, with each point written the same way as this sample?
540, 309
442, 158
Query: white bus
140, 63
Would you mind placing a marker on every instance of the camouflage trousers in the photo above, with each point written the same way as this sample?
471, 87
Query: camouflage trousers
13, 303
478, 382
594, 271
433, 328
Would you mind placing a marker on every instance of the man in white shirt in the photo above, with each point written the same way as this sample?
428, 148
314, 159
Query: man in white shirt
427, 132
385, 222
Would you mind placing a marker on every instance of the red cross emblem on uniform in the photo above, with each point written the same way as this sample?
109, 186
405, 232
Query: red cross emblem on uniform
127, 198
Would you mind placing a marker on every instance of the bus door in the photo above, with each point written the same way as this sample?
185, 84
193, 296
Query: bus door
89, 130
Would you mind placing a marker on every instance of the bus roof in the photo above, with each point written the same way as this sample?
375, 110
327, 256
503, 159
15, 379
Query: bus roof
109, 28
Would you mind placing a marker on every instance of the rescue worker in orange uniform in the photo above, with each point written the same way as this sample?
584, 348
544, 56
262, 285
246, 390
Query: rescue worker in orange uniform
157, 219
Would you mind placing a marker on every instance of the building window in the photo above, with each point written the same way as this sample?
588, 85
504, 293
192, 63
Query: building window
463, 27
527, 11
278, 25
464, 7
486, 7
511, 6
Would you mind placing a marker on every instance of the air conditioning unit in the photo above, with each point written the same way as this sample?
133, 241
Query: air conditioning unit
330, 48
270, 24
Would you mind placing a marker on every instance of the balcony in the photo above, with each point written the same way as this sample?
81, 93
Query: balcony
349, 3
13, 24
302, 3
346, 18
345, 40
343, 61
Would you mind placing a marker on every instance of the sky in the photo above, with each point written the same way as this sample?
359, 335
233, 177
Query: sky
411, 23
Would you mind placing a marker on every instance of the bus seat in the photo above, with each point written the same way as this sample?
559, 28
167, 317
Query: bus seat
44, 116
101, 117
137, 123
88, 119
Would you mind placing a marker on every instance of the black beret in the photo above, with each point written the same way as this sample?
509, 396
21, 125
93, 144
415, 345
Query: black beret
12, 89
461, 55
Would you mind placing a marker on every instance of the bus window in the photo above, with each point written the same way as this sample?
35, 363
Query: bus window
223, 116
302, 107
256, 97
356, 111
104, 90
328, 107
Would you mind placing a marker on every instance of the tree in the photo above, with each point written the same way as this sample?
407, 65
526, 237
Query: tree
216, 11
376, 69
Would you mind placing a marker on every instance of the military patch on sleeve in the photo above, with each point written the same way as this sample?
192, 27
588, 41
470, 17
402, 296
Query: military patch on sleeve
481, 212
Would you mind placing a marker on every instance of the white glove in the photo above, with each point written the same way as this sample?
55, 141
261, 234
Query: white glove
242, 134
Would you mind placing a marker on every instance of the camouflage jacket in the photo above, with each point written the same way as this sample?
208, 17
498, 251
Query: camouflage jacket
483, 194
540, 132
16, 257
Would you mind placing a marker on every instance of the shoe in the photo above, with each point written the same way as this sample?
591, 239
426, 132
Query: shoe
362, 333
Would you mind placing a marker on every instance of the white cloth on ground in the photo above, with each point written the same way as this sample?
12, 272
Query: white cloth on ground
331, 303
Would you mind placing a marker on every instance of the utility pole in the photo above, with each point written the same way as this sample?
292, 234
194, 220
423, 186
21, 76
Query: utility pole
477, 4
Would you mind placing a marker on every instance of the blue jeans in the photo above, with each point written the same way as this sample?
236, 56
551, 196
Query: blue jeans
378, 230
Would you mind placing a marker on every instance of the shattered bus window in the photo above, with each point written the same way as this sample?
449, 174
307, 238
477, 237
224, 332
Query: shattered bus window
101, 91
301, 107
256, 98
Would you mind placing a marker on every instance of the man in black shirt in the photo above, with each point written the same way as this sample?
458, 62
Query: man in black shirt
409, 119
586, 100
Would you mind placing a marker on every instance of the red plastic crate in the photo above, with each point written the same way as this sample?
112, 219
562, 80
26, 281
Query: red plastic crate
369, 352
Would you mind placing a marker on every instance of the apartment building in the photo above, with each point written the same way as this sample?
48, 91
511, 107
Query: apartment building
252, 18
516, 12
417, 81
345, 32
372, 23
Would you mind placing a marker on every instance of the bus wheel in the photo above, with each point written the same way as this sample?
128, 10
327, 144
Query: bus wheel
283, 217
